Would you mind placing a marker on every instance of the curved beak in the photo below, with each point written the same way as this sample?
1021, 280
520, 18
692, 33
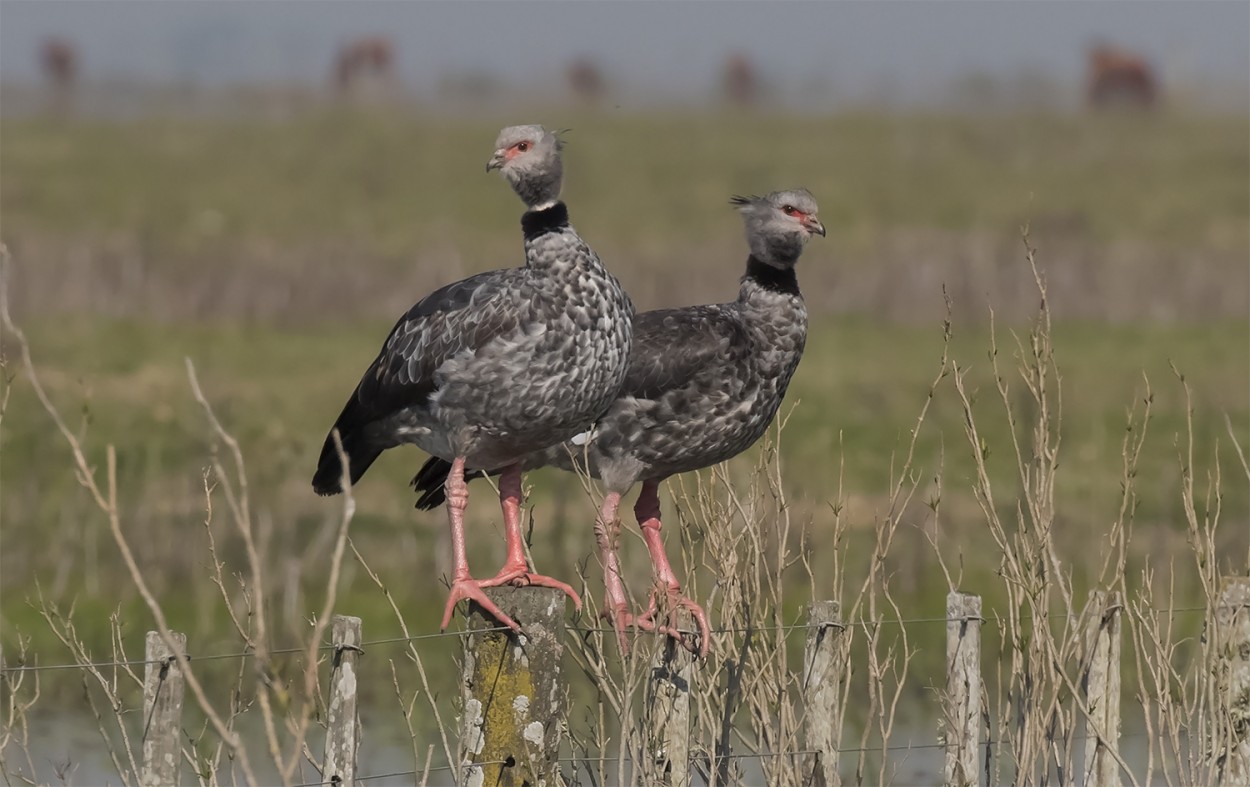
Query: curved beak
496, 161
814, 226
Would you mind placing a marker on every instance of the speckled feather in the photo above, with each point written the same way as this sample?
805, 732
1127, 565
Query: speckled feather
704, 382
496, 366
702, 387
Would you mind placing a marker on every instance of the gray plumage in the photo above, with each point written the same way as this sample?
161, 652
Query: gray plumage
704, 382
504, 363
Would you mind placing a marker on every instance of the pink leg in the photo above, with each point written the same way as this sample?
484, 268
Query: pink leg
515, 569
463, 586
647, 510
607, 528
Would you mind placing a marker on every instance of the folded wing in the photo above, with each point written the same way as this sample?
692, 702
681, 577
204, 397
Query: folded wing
460, 318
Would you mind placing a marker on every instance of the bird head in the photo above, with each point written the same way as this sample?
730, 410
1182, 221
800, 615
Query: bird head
779, 225
529, 158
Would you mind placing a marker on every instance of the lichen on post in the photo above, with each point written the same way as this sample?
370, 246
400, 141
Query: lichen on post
513, 692
963, 689
824, 669
342, 712
667, 715
162, 711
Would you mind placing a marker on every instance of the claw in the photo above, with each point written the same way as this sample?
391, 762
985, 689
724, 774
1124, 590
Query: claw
471, 590
671, 629
622, 618
522, 577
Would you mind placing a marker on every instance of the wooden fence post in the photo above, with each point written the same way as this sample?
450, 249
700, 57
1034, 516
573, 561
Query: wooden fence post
1100, 683
343, 730
1230, 746
824, 661
668, 712
963, 689
162, 711
513, 693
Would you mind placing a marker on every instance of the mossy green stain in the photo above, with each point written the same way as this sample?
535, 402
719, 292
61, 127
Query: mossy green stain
499, 678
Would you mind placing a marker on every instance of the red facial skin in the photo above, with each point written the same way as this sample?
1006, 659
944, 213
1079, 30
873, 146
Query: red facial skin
517, 149
808, 221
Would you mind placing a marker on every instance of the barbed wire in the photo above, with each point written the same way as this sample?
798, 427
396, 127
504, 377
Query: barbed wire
883, 622
246, 653
849, 750
696, 756
436, 769
785, 628
699, 756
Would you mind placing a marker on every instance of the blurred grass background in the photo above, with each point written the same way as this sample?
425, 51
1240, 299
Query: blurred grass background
276, 254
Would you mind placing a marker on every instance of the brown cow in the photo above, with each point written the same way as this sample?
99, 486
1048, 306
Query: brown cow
585, 80
739, 80
371, 57
1118, 77
58, 59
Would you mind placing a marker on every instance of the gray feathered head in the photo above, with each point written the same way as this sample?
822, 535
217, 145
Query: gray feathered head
778, 225
529, 157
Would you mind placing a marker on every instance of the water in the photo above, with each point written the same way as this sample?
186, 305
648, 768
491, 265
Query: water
68, 748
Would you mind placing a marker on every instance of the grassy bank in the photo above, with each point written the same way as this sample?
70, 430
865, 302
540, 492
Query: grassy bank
854, 402
346, 215
391, 181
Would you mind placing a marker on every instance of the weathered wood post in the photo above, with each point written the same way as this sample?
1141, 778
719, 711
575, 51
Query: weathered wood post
1230, 746
824, 664
963, 689
513, 693
162, 711
343, 729
1100, 684
667, 714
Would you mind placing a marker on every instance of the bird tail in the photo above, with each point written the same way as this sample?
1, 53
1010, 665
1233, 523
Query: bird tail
431, 479
328, 480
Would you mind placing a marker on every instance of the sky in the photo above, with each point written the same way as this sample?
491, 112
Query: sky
675, 47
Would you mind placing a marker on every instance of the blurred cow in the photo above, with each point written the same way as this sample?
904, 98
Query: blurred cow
1118, 77
585, 80
739, 81
367, 59
58, 60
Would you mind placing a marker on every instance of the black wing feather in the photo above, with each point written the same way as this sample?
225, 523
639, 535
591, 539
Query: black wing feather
672, 346
465, 315
462, 316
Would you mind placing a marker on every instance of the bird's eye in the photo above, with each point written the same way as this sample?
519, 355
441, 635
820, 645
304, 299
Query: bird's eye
522, 146
789, 210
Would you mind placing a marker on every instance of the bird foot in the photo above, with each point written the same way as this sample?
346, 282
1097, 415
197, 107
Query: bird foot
622, 619
470, 589
521, 577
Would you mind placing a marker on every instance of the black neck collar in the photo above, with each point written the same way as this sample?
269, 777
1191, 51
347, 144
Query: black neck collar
771, 278
539, 222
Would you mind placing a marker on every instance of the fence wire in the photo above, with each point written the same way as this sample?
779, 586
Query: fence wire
699, 756
438, 769
787, 628
695, 757
245, 653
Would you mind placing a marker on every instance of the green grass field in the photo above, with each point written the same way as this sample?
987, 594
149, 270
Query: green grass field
319, 216
393, 181
277, 390
307, 207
